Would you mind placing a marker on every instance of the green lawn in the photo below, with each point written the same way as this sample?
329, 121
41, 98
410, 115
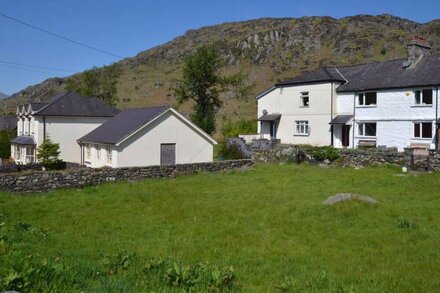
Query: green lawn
268, 224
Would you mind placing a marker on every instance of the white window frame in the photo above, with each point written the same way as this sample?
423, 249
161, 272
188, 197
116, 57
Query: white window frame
421, 103
302, 128
421, 130
361, 100
88, 153
363, 124
98, 153
109, 155
303, 96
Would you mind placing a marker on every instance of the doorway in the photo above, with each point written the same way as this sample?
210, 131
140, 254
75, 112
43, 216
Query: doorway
345, 135
168, 154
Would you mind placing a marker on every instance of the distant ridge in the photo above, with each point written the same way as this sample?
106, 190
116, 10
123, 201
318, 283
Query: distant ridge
3, 96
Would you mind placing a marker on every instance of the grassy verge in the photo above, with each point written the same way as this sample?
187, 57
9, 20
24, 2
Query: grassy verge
258, 230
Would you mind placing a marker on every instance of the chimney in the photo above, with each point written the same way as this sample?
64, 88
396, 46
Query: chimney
418, 47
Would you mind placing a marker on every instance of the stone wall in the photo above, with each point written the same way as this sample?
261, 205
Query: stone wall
352, 157
47, 181
434, 160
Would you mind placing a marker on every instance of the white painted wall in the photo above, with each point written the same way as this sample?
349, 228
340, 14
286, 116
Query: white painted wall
287, 102
395, 115
143, 148
66, 131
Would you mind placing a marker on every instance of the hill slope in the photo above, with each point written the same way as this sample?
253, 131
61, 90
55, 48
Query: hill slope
266, 49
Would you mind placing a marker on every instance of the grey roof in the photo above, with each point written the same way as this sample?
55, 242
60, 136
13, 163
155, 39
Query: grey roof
8, 122
122, 125
74, 104
270, 117
319, 75
37, 106
374, 76
341, 119
24, 140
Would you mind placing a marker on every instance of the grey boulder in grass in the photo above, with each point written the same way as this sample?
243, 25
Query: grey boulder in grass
341, 197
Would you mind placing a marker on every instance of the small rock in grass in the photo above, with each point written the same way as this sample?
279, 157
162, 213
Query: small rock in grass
341, 197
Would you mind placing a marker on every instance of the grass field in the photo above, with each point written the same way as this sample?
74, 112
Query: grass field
260, 230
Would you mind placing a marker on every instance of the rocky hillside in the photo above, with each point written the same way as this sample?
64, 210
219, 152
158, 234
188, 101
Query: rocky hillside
267, 50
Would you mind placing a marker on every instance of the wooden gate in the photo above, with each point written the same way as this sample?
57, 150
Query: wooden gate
168, 154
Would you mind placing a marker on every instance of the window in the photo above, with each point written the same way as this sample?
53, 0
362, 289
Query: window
88, 152
367, 99
423, 130
302, 127
109, 158
305, 99
423, 97
17, 153
367, 129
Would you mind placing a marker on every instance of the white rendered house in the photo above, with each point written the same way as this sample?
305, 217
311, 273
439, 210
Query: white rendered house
145, 137
64, 119
393, 104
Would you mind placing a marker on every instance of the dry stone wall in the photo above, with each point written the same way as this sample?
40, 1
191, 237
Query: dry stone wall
47, 181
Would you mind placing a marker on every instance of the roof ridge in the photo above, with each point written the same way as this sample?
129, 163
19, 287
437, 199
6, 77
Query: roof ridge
48, 105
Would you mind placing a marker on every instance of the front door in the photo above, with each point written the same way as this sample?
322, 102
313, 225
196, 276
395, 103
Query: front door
273, 129
168, 154
345, 135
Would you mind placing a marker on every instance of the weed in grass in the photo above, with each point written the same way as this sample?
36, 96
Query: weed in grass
405, 223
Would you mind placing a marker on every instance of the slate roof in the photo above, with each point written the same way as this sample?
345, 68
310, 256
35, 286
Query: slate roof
270, 117
122, 125
74, 104
24, 140
8, 122
319, 75
341, 119
375, 76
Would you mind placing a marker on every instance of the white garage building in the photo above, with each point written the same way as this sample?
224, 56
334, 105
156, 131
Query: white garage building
145, 137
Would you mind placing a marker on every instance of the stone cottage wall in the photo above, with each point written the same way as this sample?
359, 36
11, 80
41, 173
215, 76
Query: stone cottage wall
48, 181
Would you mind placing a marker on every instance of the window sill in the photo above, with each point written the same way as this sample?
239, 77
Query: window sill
300, 134
366, 137
304, 106
422, 138
421, 106
372, 106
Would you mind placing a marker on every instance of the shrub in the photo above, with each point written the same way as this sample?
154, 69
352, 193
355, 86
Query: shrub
325, 153
233, 129
230, 152
48, 153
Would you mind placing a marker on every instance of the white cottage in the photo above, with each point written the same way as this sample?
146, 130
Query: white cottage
392, 103
144, 137
65, 118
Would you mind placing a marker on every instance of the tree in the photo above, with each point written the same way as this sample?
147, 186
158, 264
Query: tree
97, 82
5, 144
203, 84
48, 153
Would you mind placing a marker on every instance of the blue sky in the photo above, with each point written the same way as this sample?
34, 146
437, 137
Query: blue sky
128, 27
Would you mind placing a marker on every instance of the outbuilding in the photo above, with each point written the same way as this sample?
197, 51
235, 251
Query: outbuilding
146, 137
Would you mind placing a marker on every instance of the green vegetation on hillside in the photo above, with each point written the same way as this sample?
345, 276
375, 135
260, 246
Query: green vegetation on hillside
261, 230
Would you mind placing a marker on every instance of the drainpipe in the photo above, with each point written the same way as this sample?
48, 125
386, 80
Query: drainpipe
331, 115
354, 118
436, 118
44, 128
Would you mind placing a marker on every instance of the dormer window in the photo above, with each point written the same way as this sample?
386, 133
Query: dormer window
305, 99
423, 97
368, 99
